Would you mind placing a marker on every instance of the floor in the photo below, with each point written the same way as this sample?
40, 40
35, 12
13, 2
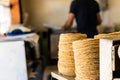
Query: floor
48, 70
35, 71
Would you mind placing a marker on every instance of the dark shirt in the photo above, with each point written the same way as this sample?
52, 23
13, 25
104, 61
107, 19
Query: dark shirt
86, 16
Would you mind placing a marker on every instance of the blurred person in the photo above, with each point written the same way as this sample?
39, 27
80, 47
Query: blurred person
87, 16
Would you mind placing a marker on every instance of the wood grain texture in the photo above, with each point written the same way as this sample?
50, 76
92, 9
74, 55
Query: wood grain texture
15, 11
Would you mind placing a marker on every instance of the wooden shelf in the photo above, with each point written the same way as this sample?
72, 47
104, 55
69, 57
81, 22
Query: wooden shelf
58, 76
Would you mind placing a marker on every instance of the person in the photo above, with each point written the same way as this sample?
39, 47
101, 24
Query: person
87, 16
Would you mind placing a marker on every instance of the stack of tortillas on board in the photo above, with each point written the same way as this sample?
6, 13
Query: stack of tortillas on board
86, 55
79, 55
66, 64
110, 35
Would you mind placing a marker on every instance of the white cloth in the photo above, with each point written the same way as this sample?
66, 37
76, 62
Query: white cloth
5, 16
32, 38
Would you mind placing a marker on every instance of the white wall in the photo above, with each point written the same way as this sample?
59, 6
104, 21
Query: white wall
52, 12
112, 15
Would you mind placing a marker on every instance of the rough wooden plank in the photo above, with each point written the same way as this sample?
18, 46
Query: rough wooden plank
58, 76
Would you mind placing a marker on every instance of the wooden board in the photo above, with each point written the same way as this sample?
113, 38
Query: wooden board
15, 11
107, 58
58, 76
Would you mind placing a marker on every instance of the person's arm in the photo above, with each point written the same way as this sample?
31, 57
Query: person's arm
69, 22
98, 19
